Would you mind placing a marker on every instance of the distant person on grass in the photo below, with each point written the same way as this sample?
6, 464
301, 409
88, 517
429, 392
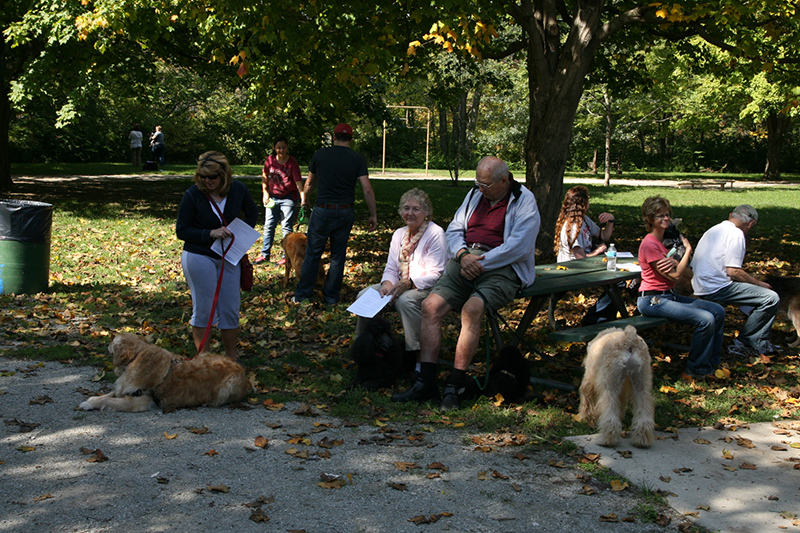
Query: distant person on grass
337, 168
199, 225
719, 277
491, 240
158, 146
657, 296
135, 137
282, 190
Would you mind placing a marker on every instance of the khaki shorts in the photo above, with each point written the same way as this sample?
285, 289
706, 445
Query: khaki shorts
497, 287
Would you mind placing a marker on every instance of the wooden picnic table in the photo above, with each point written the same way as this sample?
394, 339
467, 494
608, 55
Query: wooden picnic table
558, 278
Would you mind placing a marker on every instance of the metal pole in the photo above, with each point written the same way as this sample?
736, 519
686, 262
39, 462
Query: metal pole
383, 158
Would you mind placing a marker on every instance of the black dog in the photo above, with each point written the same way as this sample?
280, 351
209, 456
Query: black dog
378, 355
672, 239
509, 376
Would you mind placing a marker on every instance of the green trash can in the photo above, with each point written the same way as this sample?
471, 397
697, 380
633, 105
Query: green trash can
24, 246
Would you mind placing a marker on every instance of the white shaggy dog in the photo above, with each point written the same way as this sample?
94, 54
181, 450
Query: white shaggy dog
618, 371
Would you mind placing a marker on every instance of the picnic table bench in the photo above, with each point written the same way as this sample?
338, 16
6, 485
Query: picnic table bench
587, 333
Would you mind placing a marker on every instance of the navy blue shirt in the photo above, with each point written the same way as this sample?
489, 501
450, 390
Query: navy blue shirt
337, 168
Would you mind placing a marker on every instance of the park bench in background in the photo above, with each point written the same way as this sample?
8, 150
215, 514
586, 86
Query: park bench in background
706, 184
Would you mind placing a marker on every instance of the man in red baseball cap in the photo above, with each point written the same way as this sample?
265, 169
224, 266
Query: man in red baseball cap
337, 168
343, 128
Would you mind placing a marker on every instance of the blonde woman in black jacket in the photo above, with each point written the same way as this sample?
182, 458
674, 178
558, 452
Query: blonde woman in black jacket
199, 226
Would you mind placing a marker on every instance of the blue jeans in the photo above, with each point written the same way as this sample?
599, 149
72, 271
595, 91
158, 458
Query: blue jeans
285, 211
158, 153
755, 332
707, 317
333, 224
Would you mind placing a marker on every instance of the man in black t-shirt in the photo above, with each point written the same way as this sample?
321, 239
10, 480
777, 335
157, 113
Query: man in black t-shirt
337, 168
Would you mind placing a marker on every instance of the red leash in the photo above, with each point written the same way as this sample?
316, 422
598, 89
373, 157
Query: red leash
219, 280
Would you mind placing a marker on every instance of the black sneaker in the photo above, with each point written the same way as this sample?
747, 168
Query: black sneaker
418, 392
450, 398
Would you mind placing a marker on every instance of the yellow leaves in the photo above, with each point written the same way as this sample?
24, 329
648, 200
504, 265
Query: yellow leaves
666, 389
169, 436
617, 485
727, 455
299, 454
722, 373
46, 496
25, 449
272, 405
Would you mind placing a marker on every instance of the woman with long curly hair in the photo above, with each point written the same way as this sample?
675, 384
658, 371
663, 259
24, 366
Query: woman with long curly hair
575, 230
574, 236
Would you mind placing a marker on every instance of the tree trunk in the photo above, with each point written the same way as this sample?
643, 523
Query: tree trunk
6, 183
556, 74
593, 163
778, 125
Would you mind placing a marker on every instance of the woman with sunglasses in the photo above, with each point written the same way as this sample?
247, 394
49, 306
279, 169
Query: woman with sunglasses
199, 225
657, 296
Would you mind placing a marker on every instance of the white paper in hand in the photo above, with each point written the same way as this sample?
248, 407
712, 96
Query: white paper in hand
245, 238
370, 303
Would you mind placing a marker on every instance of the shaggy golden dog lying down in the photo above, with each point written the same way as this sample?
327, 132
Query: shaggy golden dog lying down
151, 375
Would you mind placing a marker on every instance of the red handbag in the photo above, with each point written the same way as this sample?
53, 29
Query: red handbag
246, 279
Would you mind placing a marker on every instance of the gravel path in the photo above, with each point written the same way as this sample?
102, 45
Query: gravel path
201, 469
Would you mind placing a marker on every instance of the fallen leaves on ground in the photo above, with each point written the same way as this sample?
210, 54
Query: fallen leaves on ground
404, 466
617, 485
217, 489
95, 456
261, 442
422, 519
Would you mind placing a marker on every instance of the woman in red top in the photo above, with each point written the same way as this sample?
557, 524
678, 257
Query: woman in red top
282, 188
658, 298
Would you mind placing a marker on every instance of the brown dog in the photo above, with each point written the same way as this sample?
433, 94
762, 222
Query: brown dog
788, 288
294, 246
151, 375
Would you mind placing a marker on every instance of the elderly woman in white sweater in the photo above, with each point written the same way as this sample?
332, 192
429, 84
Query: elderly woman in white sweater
417, 257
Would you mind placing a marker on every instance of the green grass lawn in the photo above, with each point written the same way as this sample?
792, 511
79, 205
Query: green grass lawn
115, 266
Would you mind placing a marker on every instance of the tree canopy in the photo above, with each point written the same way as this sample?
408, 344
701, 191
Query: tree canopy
327, 58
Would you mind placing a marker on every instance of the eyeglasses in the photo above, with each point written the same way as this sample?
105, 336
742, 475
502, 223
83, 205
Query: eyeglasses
212, 178
663, 216
483, 186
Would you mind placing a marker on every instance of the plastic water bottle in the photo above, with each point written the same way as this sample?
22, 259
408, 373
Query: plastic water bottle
611, 254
